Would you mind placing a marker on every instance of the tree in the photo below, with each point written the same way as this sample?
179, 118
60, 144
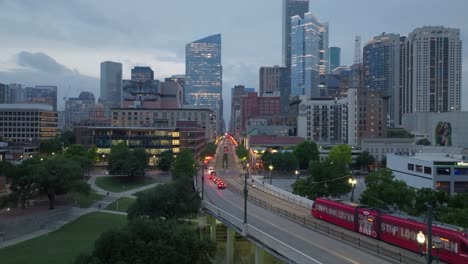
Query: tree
124, 161
383, 191
165, 160
208, 150
364, 160
50, 146
23, 183
68, 138
288, 162
184, 165
427, 195
173, 200
305, 152
326, 179
242, 153
152, 241
341, 154
57, 175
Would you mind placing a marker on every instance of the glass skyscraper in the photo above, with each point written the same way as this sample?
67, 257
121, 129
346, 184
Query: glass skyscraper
309, 56
335, 58
142, 74
204, 75
381, 66
111, 85
291, 8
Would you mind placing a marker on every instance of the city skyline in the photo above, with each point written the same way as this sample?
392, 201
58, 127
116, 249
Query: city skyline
79, 36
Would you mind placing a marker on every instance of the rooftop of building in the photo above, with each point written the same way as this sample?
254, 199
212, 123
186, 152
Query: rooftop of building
27, 107
275, 141
431, 157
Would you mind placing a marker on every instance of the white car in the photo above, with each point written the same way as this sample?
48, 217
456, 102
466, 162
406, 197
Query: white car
210, 168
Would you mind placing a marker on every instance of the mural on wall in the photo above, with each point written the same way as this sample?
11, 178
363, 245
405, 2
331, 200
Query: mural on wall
443, 134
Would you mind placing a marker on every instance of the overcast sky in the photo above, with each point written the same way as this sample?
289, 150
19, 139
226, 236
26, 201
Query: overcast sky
63, 42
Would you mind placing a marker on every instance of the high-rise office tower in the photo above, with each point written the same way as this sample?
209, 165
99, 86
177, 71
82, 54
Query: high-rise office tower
381, 68
142, 74
204, 74
111, 85
335, 58
432, 68
309, 56
291, 8
274, 81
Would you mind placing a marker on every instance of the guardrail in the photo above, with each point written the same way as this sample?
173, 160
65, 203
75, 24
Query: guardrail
349, 237
280, 193
266, 241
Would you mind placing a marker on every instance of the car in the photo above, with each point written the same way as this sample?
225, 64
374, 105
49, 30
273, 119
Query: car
221, 185
213, 173
210, 168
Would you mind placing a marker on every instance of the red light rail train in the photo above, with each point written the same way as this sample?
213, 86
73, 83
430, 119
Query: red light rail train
395, 229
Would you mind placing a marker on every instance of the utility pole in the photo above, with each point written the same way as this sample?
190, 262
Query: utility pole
245, 197
429, 234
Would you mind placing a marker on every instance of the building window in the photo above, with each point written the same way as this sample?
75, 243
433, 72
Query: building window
461, 187
443, 171
443, 186
410, 167
419, 168
461, 171
427, 170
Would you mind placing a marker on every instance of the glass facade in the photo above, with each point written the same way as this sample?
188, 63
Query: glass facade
203, 75
111, 85
142, 74
291, 8
309, 56
381, 62
335, 58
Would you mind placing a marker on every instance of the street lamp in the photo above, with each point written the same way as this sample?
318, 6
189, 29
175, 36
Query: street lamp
297, 174
353, 182
421, 239
245, 196
271, 168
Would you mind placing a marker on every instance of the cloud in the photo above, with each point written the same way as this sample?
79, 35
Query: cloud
41, 62
41, 69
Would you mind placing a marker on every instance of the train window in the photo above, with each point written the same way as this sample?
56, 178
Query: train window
410, 167
464, 248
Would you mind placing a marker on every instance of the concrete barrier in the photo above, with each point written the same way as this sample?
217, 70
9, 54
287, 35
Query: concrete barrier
262, 185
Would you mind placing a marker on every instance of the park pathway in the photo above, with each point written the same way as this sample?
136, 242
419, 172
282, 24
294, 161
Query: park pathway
67, 215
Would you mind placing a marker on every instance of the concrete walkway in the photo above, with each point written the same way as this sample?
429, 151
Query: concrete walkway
75, 212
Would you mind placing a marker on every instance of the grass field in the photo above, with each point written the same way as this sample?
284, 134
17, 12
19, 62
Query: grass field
121, 204
140, 193
63, 245
84, 201
122, 183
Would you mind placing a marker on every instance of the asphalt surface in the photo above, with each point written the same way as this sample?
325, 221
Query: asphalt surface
320, 248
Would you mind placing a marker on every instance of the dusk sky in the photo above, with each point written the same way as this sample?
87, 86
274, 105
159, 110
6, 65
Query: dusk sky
63, 42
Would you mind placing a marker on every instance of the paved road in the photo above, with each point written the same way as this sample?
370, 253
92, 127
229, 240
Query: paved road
319, 247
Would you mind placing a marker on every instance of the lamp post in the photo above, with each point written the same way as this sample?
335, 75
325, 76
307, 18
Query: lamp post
353, 182
297, 174
422, 238
271, 168
246, 191
203, 182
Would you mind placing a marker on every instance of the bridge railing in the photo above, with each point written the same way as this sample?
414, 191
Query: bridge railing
262, 185
268, 242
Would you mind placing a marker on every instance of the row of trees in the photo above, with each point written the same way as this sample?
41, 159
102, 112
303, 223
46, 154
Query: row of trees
158, 231
49, 174
307, 151
385, 192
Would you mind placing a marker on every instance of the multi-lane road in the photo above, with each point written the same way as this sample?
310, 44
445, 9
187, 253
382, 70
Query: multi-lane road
318, 247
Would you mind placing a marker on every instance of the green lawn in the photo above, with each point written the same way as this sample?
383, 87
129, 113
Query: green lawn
121, 183
121, 204
63, 245
84, 201
140, 193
